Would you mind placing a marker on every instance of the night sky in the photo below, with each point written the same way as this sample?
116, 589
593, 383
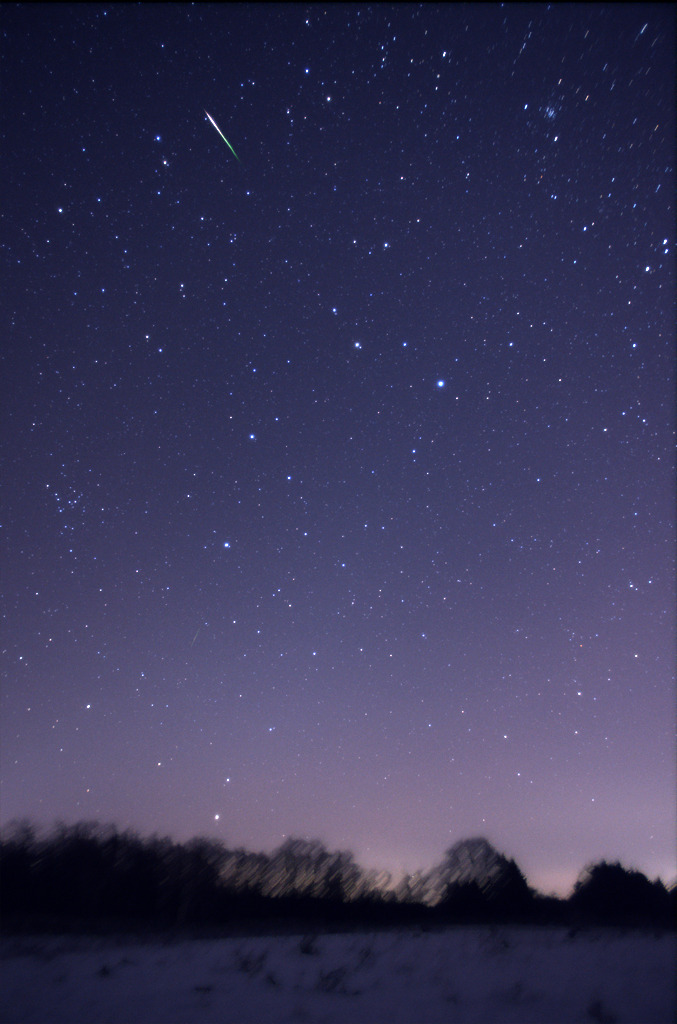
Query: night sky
337, 468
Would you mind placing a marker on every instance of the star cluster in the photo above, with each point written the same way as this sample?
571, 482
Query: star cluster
338, 481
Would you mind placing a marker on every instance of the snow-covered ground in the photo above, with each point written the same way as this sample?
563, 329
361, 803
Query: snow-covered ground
462, 974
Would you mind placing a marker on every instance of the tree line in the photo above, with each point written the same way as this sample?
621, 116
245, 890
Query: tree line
88, 875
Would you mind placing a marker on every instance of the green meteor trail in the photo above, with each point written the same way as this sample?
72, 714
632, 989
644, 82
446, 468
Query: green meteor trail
223, 136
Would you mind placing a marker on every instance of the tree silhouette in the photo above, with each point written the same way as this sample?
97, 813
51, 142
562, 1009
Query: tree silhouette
88, 875
474, 878
613, 894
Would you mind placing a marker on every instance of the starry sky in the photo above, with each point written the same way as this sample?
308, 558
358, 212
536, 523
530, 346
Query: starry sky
337, 467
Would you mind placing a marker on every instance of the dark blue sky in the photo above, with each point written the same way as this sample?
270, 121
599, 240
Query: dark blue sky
338, 480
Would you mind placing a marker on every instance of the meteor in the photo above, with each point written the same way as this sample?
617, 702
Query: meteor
223, 136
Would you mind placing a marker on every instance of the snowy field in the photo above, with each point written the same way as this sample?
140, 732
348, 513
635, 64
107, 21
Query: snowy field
464, 974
